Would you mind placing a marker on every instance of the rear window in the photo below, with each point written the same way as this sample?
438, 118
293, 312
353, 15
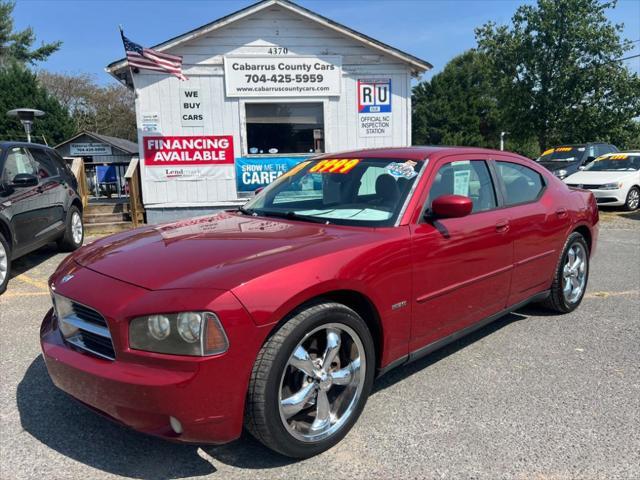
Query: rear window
562, 154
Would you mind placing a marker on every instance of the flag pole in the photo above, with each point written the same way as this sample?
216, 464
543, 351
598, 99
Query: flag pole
125, 54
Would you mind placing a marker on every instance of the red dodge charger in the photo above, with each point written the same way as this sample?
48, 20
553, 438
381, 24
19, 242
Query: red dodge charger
278, 316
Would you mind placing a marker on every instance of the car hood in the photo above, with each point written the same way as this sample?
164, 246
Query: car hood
597, 178
219, 251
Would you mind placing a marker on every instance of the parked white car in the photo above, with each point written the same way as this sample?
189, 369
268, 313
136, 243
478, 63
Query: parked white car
613, 178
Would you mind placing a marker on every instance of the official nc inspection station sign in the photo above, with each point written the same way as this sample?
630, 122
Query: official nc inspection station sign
374, 107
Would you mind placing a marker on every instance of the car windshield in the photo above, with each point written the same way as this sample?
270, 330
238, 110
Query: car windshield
617, 162
356, 191
562, 154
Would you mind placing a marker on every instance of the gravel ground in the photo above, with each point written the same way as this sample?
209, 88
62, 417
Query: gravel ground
532, 395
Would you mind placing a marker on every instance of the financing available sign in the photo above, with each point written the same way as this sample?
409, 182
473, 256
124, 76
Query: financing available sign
188, 158
274, 76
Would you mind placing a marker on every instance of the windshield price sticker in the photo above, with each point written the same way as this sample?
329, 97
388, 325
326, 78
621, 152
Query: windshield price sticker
344, 165
402, 170
548, 152
617, 156
564, 149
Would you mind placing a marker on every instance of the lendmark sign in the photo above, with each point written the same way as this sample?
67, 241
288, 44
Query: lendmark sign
204, 150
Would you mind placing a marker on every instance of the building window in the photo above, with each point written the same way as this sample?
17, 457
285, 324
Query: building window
284, 128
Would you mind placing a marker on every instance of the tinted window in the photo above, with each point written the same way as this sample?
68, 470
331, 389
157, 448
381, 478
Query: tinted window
18, 161
468, 178
44, 164
522, 184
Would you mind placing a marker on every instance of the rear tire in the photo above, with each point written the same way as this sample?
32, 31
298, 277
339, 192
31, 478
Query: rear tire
5, 264
633, 199
571, 276
311, 381
74, 231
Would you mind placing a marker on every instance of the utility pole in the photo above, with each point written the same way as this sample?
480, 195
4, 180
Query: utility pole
502, 134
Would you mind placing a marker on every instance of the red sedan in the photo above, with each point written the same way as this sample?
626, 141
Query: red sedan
278, 316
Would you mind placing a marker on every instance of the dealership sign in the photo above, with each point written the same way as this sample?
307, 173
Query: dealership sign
88, 149
253, 173
258, 76
188, 158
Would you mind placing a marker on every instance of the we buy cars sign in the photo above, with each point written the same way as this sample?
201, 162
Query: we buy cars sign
188, 158
205, 150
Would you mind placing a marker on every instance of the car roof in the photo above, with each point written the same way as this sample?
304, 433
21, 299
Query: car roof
412, 153
7, 144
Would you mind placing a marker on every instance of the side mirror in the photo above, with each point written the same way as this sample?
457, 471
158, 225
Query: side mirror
581, 167
451, 206
25, 180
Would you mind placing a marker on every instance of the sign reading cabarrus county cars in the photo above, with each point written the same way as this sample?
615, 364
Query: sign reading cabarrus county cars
254, 76
81, 149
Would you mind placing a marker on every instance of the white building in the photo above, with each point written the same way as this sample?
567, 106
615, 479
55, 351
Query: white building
268, 86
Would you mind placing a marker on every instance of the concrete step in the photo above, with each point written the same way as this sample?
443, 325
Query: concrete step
106, 208
106, 227
106, 217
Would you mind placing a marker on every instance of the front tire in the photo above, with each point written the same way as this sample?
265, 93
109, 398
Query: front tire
633, 199
74, 231
5, 264
311, 381
572, 274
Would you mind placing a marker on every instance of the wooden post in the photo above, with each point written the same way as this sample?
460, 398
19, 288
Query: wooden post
135, 194
77, 167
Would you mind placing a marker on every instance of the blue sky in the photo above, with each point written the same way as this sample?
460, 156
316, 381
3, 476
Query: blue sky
435, 30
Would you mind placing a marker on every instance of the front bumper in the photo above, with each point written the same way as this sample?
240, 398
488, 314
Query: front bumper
144, 390
615, 198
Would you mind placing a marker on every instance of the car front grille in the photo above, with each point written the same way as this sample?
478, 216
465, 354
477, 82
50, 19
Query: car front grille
585, 186
85, 329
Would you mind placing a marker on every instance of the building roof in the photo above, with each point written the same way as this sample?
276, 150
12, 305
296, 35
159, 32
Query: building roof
416, 63
120, 143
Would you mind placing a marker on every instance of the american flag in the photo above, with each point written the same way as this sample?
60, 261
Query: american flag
141, 57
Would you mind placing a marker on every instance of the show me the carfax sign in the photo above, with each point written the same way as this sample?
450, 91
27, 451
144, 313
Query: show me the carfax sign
260, 76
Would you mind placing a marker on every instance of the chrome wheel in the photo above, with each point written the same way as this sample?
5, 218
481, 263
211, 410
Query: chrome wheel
633, 199
574, 273
322, 382
76, 228
4, 263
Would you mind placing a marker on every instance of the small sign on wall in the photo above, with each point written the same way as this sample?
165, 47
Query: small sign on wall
191, 107
374, 107
150, 123
89, 149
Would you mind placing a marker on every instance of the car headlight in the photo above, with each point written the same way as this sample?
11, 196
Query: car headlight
560, 173
184, 333
610, 186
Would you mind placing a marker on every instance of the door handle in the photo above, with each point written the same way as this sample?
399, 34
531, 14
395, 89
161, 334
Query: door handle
502, 226
561, 212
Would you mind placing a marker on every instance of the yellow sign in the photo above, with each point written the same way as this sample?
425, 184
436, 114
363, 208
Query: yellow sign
548, 152
564, 149
619, 156
344, 165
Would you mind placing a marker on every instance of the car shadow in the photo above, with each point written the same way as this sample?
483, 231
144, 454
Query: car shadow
33, 259
55, 419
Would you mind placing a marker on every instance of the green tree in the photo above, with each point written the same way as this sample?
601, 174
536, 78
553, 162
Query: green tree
17, 46
19, 88
556, 72
108, 110
457, 107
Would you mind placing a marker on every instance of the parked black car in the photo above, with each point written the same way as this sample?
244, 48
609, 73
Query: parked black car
567, 159
39, 203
